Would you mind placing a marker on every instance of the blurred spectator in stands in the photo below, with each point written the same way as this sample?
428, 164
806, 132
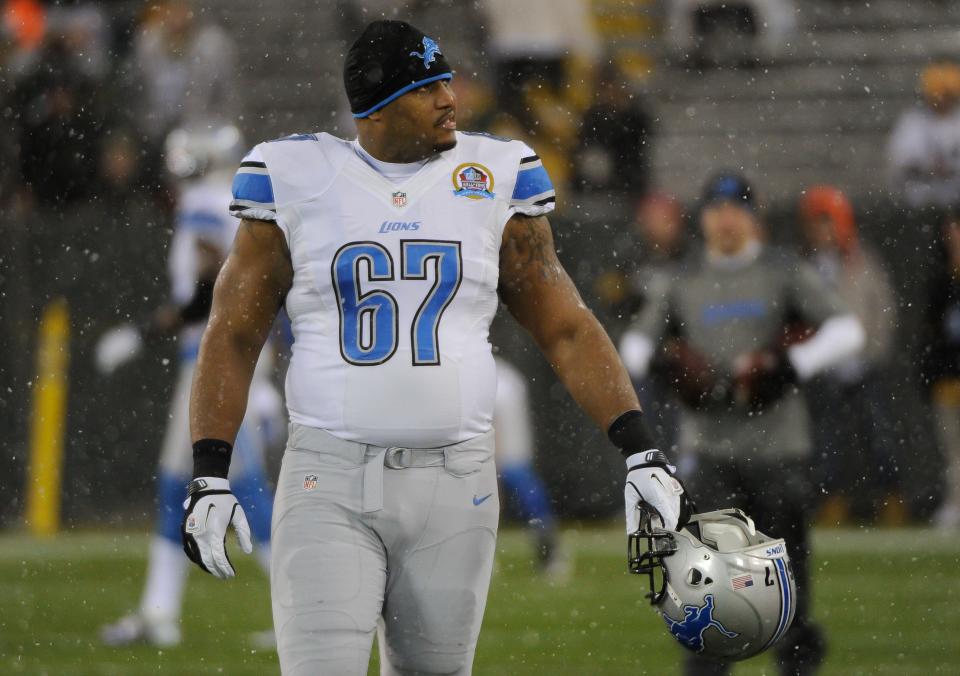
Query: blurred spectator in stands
123, 183
658, 242
940, 363
553, 155
614, 148
60, 122
852, 400
22, 28
85, 32
475, 104
533, 44
924, 148
649, 249
183, 70
716, 33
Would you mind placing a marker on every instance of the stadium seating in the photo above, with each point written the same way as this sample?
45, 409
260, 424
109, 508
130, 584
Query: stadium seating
820, 114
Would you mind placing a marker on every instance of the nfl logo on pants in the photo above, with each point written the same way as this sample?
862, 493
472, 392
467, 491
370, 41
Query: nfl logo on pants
399, 199
309, 482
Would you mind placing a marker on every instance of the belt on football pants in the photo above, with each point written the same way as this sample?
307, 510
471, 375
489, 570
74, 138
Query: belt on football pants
457, 458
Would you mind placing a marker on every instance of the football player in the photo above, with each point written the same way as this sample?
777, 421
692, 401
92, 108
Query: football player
203, 159
513, 425
388, 252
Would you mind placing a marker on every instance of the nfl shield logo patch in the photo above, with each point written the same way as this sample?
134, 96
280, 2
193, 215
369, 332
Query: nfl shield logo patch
309, 482
399, 199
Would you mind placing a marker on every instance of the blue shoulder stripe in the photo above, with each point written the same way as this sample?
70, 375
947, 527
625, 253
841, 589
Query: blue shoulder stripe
530, 182
253, 188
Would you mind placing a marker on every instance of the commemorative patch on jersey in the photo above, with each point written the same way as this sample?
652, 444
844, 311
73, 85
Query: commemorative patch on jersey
473, 181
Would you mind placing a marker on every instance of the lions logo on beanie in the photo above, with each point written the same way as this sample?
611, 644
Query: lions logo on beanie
389, 59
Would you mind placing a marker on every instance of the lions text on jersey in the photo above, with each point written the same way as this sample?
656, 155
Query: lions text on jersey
395, 282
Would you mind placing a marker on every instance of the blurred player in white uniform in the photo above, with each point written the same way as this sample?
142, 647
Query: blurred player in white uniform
513, 427
388, 252
203, 233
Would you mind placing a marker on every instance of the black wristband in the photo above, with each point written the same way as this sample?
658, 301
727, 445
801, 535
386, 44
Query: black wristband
211, 457
629, 433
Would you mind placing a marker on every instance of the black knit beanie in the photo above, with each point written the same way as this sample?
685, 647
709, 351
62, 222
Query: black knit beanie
389, 59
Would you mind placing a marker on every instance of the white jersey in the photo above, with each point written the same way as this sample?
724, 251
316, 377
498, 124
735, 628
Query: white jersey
512, 417
395, 284
200, 217
924, 155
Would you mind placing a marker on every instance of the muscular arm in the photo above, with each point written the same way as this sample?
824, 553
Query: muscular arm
543, 299
248, 294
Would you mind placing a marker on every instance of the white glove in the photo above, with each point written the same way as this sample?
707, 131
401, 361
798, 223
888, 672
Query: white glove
651, 484
210, 509
117, 346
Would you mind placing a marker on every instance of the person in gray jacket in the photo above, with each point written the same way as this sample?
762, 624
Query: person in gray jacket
728, 331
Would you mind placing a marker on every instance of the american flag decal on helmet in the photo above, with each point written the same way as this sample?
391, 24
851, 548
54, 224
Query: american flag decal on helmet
741, 582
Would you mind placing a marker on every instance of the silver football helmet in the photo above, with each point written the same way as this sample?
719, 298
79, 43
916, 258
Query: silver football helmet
725, 590
202, 149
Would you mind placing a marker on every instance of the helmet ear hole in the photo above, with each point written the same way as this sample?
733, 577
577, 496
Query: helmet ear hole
696, 577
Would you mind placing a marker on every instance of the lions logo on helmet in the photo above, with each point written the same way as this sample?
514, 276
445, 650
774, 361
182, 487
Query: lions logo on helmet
699, 568
696, 620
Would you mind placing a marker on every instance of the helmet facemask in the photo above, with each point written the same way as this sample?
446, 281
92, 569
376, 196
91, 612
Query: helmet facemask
646, 549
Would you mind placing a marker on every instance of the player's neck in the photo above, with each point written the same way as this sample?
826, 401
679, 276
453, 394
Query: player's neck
391, 153
392, 171
379, 162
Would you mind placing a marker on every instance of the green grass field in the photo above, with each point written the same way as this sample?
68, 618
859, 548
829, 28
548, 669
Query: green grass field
890, 601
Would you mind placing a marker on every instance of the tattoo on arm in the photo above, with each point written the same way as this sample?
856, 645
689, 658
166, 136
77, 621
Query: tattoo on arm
529, 249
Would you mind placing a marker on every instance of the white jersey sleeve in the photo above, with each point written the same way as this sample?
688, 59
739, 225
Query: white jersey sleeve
253, 189
278, 174
533, 193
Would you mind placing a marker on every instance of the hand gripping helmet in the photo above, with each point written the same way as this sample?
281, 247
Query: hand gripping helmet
725, 590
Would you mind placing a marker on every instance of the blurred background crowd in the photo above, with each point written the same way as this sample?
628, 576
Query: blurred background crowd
844, 115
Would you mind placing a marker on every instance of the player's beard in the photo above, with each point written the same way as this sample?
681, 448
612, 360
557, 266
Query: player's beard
442, 146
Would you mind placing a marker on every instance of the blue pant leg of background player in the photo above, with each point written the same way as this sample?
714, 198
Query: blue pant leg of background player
521, 484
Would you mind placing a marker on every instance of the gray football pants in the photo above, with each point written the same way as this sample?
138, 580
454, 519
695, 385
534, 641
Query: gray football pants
394, 540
